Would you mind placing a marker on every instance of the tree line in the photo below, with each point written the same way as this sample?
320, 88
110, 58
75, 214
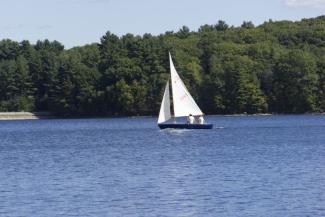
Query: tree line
276, 67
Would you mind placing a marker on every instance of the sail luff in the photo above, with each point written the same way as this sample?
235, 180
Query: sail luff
183, 102
164, 113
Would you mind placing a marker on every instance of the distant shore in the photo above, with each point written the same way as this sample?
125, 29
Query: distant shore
47, 115
25, 115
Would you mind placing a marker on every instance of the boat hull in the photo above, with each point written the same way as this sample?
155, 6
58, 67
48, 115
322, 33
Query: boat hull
185, 126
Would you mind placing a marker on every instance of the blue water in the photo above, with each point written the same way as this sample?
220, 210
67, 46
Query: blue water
247, 166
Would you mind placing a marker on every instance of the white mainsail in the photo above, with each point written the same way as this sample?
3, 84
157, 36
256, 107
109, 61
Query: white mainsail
164, 113
184, 103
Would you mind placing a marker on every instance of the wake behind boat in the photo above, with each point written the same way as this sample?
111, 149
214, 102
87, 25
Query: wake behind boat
183, 102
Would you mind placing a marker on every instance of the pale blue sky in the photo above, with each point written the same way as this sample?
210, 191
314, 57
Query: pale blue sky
78, 22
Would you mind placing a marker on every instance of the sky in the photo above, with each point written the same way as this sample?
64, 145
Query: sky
80, 22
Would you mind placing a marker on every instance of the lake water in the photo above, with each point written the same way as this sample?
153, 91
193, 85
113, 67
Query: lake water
247, 166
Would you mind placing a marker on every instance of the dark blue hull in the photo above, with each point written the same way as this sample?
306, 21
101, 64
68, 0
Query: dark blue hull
185, 126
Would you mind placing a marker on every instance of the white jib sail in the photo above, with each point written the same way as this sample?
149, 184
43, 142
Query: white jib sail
184, 103
164, 113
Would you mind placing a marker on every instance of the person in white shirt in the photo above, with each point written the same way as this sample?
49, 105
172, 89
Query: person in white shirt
190, 119
201, 120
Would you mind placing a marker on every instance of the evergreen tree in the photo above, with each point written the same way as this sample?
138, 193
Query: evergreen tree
275, 67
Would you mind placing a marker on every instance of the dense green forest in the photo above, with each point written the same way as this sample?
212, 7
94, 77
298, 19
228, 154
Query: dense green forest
276, 67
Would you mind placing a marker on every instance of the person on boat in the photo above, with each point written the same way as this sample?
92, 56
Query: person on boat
190, 119
201, 120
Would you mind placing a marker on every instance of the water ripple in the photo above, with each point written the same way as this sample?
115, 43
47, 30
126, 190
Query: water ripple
246, 166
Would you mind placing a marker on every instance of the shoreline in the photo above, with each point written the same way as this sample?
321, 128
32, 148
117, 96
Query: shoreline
25, 115
6, 116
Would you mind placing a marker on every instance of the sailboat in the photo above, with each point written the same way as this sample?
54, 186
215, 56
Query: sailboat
183, 104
